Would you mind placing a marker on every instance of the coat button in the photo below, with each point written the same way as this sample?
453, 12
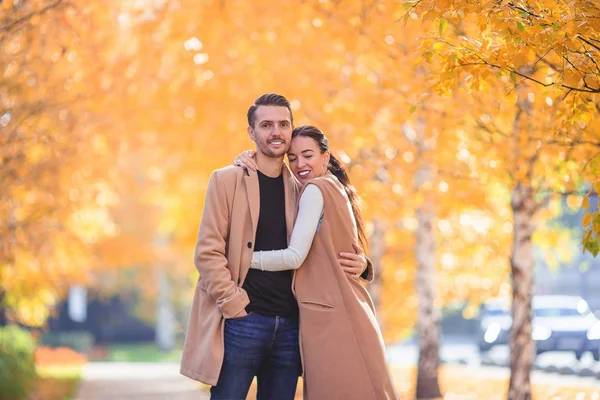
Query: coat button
249, 245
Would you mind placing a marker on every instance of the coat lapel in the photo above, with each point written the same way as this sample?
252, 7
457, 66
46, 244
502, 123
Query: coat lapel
291, 195
253, 193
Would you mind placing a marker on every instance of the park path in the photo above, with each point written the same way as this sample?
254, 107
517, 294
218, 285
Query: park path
137, 381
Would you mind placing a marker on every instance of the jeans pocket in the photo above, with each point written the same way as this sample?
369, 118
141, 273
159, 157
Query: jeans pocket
240, 318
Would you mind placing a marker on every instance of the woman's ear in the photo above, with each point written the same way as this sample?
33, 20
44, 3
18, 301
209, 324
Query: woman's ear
326, 157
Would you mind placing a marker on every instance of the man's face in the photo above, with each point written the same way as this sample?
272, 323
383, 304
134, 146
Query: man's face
272, 130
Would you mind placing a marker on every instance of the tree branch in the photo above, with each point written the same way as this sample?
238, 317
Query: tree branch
25, 18
573, 143
543, 58
516, 7
588, 42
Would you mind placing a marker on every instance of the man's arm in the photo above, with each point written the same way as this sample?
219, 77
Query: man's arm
369, 273
210, 257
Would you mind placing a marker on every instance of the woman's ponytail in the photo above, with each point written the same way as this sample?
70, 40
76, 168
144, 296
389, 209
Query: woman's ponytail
337, 169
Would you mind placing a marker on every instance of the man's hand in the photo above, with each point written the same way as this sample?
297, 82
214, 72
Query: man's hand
246, 160
353, 264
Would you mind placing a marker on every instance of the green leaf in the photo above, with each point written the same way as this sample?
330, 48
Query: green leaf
513, 76
407, 5
520, 26
594, 248
442, 26
413, 108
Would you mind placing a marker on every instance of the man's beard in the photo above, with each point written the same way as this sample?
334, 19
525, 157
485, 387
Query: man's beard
264, 148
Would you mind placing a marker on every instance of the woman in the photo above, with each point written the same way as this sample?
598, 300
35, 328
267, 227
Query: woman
341, 345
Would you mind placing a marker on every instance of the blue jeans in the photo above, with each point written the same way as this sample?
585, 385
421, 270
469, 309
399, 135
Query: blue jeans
261, 346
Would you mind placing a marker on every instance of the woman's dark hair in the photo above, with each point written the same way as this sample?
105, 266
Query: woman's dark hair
336, 168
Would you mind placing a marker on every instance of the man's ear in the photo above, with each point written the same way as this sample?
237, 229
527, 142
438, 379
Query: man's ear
251, 134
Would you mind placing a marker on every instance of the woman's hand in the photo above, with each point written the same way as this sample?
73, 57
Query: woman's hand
354, 264
246, 160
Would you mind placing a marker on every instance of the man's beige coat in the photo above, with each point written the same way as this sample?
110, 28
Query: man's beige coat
340, 341
223, 253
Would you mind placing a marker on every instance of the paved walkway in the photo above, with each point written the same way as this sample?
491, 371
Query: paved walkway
137, 381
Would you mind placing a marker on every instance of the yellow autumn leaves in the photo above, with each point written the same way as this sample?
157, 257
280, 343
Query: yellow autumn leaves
123, 111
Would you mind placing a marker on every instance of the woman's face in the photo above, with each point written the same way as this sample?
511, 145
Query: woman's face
306, 159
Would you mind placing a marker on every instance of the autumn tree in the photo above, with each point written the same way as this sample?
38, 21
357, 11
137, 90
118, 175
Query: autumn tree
561, 37
55, 197
536, 52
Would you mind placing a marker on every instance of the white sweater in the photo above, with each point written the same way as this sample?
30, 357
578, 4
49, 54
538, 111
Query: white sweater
309, 214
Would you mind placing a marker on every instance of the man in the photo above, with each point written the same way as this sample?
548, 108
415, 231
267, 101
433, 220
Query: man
244, 322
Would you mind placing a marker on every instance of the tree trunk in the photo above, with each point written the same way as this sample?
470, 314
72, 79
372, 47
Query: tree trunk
376, 253
165, 315
8, 244
428, 320
3, 316
522, 349
428, 325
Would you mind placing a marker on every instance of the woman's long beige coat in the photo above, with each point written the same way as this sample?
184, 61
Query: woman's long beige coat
341, 343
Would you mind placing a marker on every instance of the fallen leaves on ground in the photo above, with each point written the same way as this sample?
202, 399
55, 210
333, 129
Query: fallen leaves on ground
464, 383
59, 371
55, 388
45, 355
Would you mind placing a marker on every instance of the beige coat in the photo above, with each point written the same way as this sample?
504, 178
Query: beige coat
341, 344
223, 253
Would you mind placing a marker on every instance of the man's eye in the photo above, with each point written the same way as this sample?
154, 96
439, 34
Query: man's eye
285, 124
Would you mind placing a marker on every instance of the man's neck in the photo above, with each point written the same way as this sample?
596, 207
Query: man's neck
271, 167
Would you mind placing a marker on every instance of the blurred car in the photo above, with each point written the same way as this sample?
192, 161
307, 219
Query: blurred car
560, 323
494, 326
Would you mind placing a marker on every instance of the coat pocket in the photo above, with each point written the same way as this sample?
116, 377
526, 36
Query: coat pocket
314, 305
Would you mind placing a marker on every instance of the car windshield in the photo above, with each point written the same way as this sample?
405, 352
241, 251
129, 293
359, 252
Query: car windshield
557, 312
543, 309
495, 312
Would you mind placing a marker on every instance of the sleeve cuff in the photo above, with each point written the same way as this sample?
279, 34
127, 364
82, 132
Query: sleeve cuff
368, 274
235, 305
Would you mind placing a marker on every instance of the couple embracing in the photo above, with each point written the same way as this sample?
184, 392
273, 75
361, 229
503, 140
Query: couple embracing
280, 257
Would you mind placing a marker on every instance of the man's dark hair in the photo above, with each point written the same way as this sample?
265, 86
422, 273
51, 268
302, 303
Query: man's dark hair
269, 99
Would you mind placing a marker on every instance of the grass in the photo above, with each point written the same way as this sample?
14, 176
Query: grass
57, 382
60, 371
140, 352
